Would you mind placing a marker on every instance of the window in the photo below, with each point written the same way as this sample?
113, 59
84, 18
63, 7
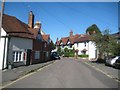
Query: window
77, 44
70, 45
45, 44
62, 46
17, 56
85, 44
37, 54
47, 54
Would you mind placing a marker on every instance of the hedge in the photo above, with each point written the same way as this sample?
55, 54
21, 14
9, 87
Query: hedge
83, 55
68, 54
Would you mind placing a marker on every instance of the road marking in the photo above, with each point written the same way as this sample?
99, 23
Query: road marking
27, 75
103, 72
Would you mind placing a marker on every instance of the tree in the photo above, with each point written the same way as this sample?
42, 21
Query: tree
59, 50
105, 43
52, 45
93, 30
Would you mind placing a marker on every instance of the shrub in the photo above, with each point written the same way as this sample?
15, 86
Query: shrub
83, 55
68, 54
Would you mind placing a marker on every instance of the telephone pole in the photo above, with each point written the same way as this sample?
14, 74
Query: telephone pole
1, 14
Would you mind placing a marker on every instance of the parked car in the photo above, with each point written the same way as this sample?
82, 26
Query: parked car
55, 56
117, 63
111, 61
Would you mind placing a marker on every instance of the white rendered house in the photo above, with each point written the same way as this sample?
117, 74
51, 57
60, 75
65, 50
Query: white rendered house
15, 40
80, 42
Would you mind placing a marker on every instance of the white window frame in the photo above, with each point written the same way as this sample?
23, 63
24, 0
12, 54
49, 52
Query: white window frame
17, 56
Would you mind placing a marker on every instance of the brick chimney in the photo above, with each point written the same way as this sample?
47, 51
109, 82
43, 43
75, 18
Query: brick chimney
31, 19
71, 33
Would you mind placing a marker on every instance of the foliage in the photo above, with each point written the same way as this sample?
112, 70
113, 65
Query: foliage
68, 52
105, 44
83, 55
59, 51
93, 29
52, 45
116, 50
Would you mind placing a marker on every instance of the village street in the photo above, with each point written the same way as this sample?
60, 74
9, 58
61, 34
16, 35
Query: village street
66, 73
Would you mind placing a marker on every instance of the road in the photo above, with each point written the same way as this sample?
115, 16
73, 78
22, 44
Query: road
66, 73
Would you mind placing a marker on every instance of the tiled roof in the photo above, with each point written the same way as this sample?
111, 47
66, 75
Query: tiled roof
22, 35
116, 35
74, 39
34, 31
64, 40
46, 37
81, 38
15, 27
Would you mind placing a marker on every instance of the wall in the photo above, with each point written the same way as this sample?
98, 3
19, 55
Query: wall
18, 44
3, 49
92, 50
90, 47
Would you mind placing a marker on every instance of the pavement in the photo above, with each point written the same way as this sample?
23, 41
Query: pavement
10, 75
107, 70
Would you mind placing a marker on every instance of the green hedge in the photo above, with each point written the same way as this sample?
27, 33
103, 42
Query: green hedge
68, 54
83, 55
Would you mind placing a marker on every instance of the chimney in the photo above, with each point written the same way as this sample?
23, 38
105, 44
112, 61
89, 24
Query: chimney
71, 33
31, 19
37, 25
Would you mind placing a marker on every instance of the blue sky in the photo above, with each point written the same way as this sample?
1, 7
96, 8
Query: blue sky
58, 18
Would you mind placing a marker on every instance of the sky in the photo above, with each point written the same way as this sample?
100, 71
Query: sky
59, 18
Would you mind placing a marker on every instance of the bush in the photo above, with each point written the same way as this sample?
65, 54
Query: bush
83, 55
68, 54
71, 54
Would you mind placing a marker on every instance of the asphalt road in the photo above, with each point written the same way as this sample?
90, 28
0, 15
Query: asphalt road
66, 73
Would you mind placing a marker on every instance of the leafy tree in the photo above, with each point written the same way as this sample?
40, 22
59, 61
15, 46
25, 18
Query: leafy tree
52, 45
59, 50
93, 30
116, 49
105, 44
66, 49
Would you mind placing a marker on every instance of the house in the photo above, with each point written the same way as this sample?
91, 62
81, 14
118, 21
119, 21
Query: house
117, 36
79, 42
41, 44
15, 40
23, 44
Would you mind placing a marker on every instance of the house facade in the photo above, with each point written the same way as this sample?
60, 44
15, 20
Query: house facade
23, 44
80, 42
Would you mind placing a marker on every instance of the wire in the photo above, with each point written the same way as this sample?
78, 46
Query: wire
58, 19
80, 12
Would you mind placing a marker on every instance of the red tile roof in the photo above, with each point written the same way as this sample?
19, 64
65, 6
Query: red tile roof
74, 39
46, 37
64, 40
34, 31
22, 35
15, 27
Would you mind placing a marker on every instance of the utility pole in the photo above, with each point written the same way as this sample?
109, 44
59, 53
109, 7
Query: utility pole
1, 14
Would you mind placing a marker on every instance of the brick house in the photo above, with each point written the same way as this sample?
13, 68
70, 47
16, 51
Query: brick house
80, 42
